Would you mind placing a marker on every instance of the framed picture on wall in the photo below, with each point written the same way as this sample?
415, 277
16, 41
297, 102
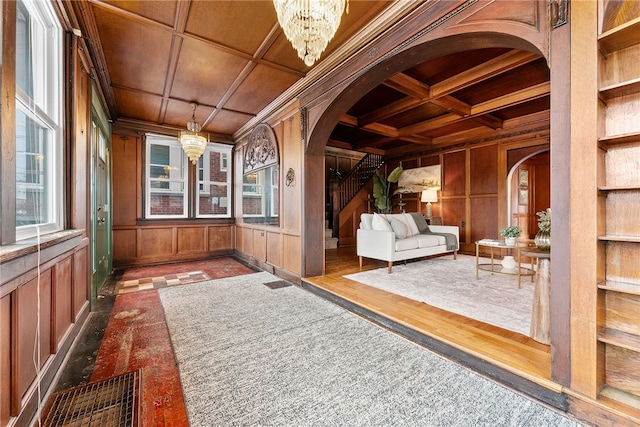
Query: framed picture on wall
523, 196
524, 178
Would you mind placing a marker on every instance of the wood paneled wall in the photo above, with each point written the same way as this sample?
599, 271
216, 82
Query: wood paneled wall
139, 242
275, 248
41, 308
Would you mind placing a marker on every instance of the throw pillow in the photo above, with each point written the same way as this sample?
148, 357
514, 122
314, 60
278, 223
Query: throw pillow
413, 228
399, 228
380, 224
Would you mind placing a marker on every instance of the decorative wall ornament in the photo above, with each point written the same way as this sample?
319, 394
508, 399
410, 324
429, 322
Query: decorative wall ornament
559, 11
262, 149
290, 177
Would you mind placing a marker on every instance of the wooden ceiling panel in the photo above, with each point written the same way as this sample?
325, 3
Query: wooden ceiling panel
283, 53
381, 95
219, 21
519, 78
136, 54
448, 66
179, 113
452, 129
204, 73
524, 109
415, 115
142, 106
163, 11
261, 86
360, 13
227, 122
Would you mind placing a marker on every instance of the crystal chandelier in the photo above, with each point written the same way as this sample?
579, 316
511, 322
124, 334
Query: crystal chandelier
192, 142
310, 24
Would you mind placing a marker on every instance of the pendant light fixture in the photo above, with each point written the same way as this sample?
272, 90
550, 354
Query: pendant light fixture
310, 24
192, 142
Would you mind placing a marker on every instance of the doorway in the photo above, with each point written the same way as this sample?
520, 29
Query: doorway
529, 191
100, 207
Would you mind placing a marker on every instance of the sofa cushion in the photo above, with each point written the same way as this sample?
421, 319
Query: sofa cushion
406, 244
400, 228
429, 240
380, 224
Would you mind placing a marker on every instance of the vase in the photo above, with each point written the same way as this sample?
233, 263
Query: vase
510, 241
543, 241
509, 263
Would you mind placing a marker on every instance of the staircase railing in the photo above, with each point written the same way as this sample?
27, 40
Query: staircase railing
344, 188
356, 178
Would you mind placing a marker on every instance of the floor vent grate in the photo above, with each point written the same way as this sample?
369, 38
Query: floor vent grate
111, 402
277, 284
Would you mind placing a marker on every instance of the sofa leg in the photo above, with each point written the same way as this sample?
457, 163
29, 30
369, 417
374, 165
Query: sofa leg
455, 255
389, 268
360, 258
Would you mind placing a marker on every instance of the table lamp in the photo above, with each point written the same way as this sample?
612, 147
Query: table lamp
429, 196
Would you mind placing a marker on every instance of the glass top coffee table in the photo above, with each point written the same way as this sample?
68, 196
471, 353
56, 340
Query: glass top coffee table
495, 266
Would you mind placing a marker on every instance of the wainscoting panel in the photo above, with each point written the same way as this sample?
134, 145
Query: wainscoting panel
155, 242
140, 245
191, 240
24, 310
62, 310
274, 249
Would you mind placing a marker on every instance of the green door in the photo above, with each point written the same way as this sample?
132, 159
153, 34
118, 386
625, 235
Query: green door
100, 209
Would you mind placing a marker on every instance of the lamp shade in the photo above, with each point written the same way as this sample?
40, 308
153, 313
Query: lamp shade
429, 196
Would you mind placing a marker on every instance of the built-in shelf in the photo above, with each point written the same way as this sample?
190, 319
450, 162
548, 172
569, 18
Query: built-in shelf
620, 396
619, 238
622, 287
620, 339
620, 139
628, 87
620, 37
619, 188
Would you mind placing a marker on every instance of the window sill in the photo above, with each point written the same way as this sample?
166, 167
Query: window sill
29, 246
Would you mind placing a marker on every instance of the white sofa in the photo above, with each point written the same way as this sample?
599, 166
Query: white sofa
397, 237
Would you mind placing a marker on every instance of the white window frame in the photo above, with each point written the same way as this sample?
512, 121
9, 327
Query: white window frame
177, 159
45, 109
225, 154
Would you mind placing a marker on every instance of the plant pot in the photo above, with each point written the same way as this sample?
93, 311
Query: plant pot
509, 263
510, 241
543, 241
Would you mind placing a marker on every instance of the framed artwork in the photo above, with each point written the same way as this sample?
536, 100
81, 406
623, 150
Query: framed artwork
523, 196
524, 178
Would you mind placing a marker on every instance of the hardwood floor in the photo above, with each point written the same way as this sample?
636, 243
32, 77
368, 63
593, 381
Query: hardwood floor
507, 356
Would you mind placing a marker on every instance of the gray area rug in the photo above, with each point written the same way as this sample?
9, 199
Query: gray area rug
451, 285
249, 355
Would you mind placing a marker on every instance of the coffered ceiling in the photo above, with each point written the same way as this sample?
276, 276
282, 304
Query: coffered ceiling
154, 58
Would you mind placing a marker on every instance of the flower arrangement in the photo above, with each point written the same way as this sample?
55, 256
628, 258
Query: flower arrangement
511, 231
544, 220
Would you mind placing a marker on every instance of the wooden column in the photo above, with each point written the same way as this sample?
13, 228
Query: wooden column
574, 121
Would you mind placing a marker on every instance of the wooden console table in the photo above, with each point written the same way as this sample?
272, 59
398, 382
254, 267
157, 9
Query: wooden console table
541, 314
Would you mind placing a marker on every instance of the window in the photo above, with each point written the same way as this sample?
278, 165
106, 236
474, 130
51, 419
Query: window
167, 180
39, 147
166, 195
214, 182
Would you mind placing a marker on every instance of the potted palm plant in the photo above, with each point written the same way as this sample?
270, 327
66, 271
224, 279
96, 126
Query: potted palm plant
382, 190
510, 234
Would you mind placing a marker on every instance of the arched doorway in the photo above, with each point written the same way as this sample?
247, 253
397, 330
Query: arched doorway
529, 191
324, 117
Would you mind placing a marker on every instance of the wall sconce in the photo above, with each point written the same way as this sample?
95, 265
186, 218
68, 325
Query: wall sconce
429, 196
